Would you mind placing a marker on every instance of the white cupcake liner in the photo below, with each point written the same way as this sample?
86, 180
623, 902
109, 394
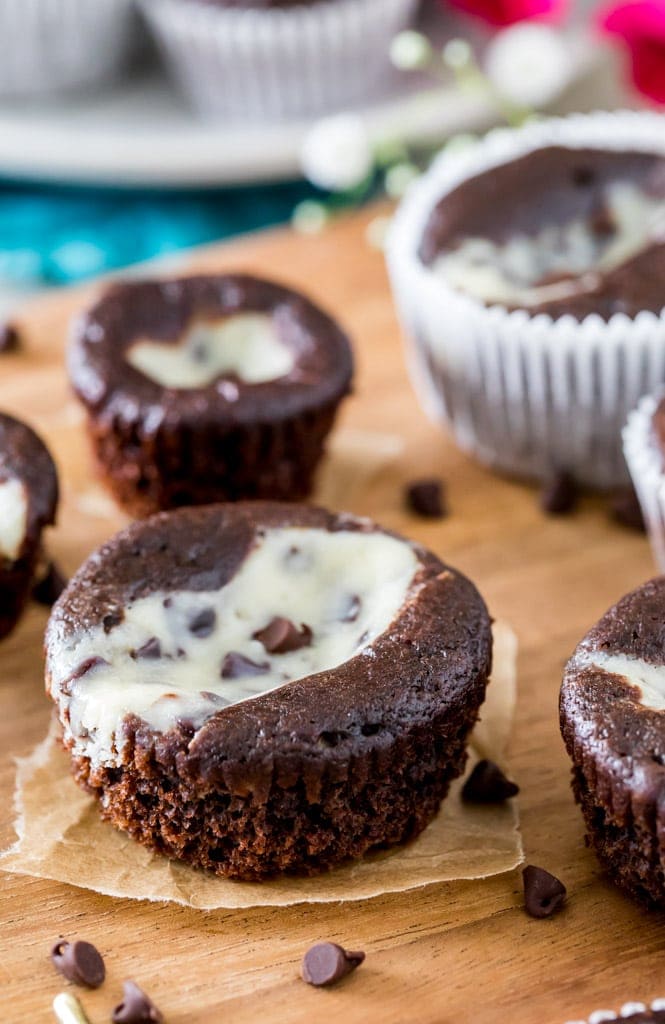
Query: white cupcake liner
525, 394
280, 62
646, 465
56, 45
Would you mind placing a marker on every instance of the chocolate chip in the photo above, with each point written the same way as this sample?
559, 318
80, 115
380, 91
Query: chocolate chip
602, 221
326, 962
136, 1007
50, 587
150, 649
488, 785
203, 623
427, 498
352, 609
543, 893
625, 509
214, 698
236, 665
86, 666
79, 962
281, 636
112, 620
10, 338
560, 495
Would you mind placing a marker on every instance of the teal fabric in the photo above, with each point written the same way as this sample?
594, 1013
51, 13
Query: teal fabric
60, 235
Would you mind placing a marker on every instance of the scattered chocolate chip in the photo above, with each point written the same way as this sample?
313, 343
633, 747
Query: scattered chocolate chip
150, 649
560, 495
236, 665
79, 962
326, 962
625, 508
86, 666
203, 623
281, 636
112, 620
50, 586
427, 498
543, 893
214, 698
352, 609
10, 338
488, 785
136, 1007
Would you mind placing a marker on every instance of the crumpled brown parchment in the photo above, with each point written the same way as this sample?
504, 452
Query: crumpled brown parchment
61, 836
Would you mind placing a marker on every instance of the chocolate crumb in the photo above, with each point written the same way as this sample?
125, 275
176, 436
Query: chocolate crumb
281, 636
50, 586
543, 893
487, 784
150, 649
560, 495
136, 1007
427, 498
236, 665
112, 620
10, 338
203, 623
625, 509
79, 962
326, 962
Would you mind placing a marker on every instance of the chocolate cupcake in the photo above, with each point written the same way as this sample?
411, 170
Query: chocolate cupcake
630, 1013
208, 389
28, 501
612, 720
265, 60
262, 688
529, 270
644, 449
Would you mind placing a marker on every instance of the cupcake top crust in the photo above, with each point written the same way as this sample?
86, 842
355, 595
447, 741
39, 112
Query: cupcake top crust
559, 230
230, 348
28, 488
257, 620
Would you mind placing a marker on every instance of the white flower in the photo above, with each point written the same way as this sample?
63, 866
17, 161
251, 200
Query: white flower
336, 153
529, 64
410, 50
399, 178
309, 217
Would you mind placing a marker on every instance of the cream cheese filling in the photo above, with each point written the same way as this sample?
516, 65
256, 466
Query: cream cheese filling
13, 517
649, 679
246, 345
510, 273
186, 654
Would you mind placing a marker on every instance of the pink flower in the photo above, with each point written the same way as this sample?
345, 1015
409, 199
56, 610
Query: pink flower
507, 12
641, 27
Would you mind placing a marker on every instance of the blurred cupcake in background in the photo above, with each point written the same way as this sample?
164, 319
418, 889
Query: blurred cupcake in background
277, 59
644, 448
59, 45
528, 271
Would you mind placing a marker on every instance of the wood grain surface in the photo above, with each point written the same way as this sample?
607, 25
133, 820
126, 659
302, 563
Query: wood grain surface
448, 954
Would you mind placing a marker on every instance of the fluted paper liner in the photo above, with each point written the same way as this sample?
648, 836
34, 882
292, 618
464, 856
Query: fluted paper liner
525, 394
647, 469
62, 837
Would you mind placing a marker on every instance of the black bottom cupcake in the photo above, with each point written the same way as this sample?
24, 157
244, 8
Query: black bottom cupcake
260, 688
613, 724
28, 501
208, 389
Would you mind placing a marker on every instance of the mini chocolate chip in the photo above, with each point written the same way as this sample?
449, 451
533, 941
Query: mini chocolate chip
10, 338
625, 508
281, 636
427, 498
50, 587
602, 221
79, 962
488, 785
203, 623
326, 962
352, 610
150, 649
136, 1007
543, 893
236, 665
214, 698
560, 495
85, 667
112, 620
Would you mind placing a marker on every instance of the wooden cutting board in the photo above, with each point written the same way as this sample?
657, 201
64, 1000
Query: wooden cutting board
448, 954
